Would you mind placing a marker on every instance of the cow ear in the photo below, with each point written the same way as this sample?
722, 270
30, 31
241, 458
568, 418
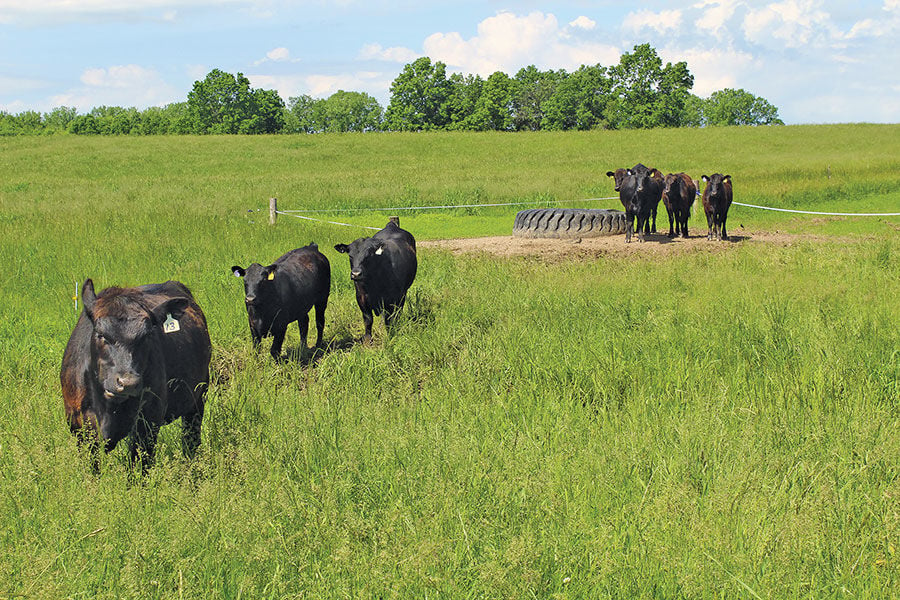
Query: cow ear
610, 174
238, 272
342, 248
628, 172
88, 298
728, 177
174, 307
269, 272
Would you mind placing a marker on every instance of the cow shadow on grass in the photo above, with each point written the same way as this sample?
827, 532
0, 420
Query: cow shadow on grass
309, 357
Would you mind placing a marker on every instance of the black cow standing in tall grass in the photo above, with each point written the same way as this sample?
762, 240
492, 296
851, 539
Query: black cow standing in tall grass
640, 193
678, 196
137, 359
382, 268
650, 199
283, 292
717, 197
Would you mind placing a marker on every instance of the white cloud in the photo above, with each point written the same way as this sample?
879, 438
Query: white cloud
323, 85
397, 54
662, 22
583, 22
120, 85
714, 19
715, 69
790, 24
507, 42
280, 54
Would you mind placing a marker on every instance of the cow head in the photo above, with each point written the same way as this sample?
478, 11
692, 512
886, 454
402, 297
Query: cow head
259, 293
366, 257
125, 337
672, 184
642, 177
618, 177
716, 183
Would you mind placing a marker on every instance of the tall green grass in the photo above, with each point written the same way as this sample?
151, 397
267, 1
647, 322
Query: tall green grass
717, 424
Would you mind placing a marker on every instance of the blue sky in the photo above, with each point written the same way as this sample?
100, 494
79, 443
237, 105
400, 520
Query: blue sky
818, 61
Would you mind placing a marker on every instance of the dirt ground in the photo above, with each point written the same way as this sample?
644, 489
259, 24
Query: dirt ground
657, 244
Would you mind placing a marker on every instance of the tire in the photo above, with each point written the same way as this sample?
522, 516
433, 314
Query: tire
568, 223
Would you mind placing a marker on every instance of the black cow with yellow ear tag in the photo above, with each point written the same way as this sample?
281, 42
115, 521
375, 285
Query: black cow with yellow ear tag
285, 291
382, 268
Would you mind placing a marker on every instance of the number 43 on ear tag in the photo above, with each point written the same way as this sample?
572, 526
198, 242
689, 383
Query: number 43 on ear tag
170, 325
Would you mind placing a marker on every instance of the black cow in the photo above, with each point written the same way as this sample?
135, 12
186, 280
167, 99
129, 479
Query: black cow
639, 193
284, 292
678, 196
137, 359
619, 176
382, 268
717, 198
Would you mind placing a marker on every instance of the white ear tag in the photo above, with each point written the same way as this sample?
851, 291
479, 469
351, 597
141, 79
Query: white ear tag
170, 325
380, 251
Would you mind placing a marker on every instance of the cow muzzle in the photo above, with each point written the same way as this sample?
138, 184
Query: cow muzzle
126, 385
356, 275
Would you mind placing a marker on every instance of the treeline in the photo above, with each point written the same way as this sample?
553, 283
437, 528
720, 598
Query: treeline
638, 92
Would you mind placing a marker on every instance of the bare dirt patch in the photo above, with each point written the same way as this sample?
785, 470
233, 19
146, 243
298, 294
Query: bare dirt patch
657, 245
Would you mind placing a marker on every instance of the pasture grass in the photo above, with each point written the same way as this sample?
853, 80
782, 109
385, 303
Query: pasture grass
711, 425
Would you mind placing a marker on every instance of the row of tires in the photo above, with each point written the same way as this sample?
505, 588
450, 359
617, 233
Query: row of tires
568, 223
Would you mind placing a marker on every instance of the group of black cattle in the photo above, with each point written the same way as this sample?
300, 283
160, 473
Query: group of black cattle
641, 188
138, 357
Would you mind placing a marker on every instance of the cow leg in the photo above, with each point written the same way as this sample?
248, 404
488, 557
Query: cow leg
367, 322
710, 222
653, 216
722, 225
320, 322
684, 220
303, 326
142, 443
641, 225
190, 431
673, 222
278, 333
629, 226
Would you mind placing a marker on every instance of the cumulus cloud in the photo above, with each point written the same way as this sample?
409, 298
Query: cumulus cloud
280, 54
507, 42
583, 22
661, 22
397, 54
791, 24
120, 85
323, 85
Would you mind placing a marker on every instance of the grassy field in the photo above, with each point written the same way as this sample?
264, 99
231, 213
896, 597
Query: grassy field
710, 425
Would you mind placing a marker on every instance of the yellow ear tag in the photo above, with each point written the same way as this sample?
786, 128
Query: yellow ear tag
271, 276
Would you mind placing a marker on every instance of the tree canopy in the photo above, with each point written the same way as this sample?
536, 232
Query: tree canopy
637, 92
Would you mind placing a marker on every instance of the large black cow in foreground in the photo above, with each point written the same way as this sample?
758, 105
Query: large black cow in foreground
137, 359
678, 196
284, 292
620, 175
640, 192
717, 198
382, 268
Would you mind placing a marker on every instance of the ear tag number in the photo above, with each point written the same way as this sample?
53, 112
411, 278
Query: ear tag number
170, 325
271, 276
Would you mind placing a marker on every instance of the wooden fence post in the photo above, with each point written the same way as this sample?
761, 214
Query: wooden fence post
273, 210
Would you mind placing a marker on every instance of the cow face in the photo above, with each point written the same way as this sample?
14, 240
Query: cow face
716, 184
672, 183
643, 178
259, 293
125, 337
366, 256
618, 177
